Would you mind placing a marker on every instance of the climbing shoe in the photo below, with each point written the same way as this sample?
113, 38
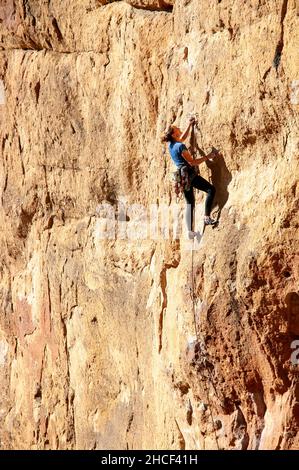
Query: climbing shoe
192, 234
209, 221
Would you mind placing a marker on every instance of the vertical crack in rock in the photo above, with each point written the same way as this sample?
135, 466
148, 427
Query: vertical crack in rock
280, 44
70, 412
37, 91
182, 442
69, 393
21, 157
49, 300
130, 422
57, 30
189, 413
38, 397
163, 284
48, 201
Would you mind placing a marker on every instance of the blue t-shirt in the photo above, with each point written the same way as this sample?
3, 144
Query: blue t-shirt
176, 149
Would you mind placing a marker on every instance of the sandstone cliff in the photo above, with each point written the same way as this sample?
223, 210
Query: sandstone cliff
98, 343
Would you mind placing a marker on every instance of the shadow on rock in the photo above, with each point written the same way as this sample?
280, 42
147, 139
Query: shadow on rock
221, 177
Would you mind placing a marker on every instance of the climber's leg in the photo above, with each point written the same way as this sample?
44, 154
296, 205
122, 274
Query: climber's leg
202, 184
189, 197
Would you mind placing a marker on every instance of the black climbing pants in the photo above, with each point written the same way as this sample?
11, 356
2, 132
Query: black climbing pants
199, 183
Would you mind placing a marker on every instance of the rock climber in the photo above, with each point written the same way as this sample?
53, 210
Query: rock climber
181, 156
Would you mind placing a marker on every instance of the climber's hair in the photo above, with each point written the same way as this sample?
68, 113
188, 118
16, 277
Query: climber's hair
167, 135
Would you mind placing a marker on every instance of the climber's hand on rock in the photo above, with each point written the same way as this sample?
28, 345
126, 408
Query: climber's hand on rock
214, 153
211, 155
192, 120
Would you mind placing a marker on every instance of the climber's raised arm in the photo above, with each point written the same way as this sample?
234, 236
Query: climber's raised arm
185, 134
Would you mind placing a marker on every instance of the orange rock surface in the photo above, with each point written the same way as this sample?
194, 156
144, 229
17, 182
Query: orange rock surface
139, 343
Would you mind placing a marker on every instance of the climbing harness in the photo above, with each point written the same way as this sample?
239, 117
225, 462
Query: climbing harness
182, 178
199, 341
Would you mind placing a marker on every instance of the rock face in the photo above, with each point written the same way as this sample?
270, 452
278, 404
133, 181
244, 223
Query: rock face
102, 342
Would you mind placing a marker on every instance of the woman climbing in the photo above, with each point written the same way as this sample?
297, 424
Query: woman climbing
181, 157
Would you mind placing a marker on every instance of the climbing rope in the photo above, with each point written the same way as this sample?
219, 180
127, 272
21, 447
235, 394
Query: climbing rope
200, 341
192, 142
